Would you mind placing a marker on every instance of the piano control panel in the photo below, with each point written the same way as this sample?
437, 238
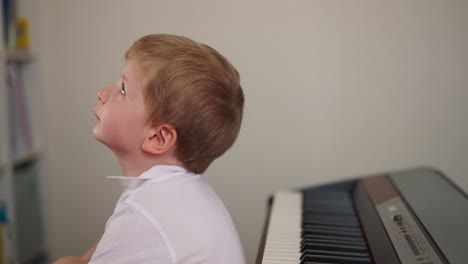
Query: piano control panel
407, 238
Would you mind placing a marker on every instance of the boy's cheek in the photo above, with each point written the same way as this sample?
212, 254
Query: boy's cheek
118, 127
118, 124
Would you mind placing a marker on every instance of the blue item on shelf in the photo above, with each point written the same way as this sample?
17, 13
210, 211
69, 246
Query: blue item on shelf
3, 213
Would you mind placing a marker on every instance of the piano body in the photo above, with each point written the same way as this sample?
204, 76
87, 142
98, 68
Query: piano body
413, 216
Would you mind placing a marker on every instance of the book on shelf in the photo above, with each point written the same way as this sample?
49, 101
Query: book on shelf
3, 233
2, 247
19, 112
15, 29
9, 23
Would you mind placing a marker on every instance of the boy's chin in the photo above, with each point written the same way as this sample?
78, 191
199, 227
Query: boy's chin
108, 142
98, 135
103, 141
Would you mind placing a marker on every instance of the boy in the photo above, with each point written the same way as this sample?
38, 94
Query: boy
177, 107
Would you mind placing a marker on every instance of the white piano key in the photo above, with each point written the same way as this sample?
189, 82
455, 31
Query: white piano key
283, 236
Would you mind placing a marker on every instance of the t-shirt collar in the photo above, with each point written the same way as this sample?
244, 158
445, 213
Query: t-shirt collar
157, 172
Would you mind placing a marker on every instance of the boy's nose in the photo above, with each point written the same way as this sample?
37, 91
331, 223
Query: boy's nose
103, 95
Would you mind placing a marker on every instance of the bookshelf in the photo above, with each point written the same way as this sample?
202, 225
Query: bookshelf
22, 235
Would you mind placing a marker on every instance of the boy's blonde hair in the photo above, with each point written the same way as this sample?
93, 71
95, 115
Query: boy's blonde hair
192, 87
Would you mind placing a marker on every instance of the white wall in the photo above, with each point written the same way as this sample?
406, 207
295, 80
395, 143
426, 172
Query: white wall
334, 89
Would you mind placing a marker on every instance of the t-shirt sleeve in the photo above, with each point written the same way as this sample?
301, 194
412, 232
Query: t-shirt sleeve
130, 238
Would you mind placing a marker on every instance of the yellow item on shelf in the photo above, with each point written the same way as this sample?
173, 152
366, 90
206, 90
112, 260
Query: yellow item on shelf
22, 33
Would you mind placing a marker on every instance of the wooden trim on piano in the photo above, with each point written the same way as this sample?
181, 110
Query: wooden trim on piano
380, 189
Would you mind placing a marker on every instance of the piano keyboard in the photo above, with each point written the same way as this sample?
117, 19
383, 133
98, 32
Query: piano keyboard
382, 219
314, 227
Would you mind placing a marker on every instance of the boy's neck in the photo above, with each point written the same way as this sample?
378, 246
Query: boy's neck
134, 166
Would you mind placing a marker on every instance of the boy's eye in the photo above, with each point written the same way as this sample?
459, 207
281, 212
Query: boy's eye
122, 89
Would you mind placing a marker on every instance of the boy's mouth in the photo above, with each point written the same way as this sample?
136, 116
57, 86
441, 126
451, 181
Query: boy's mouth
95, 115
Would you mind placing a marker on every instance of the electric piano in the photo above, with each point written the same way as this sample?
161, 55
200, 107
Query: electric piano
415, 216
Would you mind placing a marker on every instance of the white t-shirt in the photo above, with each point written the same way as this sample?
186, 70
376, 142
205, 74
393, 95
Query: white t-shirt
168, 215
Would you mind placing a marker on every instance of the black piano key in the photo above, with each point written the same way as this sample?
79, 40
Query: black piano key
314, 239
319, 262
328, 222
329, 210
334, 247
333, 228
333, 253
330, 203
317, 231
343, 205
329, 213
334, 260
331, 232
324, 200
320, 198
328, 237
331, 218
321, 195
334, 203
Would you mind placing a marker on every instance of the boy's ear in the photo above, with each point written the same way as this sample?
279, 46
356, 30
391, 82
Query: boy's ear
160, 139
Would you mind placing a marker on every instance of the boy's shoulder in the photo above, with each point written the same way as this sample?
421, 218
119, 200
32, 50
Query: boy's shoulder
187, 212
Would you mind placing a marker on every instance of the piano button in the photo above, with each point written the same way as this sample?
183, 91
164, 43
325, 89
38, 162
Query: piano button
398, 218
